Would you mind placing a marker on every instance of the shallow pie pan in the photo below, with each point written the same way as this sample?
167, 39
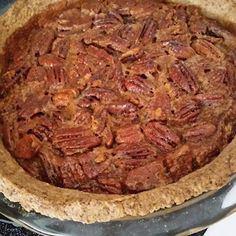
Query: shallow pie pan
190, 217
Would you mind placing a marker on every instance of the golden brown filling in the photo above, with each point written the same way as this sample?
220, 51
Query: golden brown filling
118, 96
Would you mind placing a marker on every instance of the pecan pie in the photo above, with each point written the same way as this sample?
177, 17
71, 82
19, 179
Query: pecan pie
116, 97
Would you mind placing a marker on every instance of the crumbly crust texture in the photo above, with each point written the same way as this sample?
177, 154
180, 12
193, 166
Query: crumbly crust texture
66, 204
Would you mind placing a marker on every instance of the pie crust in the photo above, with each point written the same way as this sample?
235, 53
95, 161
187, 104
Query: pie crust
67, 204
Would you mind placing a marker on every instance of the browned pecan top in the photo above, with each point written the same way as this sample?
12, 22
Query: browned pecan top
118, 96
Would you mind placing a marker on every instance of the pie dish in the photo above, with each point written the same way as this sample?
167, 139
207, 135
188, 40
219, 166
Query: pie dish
160, 161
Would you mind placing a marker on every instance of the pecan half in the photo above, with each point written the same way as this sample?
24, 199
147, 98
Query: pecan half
106, 22
83, 117
209, 99
72, 173
52, 165
89, 165
36, 73
139, 85
135, 150
61, 47
105, 95
180, 50
34, 167
161, 136
147, 177
80, 72
50, 60
181, 13
124, 37
197, 25
41, 41
27, 147
145, 65
32, 106
110, 184
180, 162
188, 112
64, 97
39, 125
217, 75
75, 140
200, 132
129, 134
142, 11
98, 54
207, 49
222, 75
105, 74
149, 30
129, 163
84, 102
116, 44
41, 128
121, 108
56, 76
183, 77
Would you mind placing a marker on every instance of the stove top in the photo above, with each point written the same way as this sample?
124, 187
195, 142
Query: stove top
8, 228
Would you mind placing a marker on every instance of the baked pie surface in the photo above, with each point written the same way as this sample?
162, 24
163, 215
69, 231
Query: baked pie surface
118, 98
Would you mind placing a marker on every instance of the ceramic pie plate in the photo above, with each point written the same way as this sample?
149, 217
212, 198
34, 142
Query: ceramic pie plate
194, 214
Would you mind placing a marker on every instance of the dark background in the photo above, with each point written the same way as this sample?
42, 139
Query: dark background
9, 229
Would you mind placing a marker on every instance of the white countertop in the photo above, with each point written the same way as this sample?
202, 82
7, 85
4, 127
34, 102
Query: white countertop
225, 227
